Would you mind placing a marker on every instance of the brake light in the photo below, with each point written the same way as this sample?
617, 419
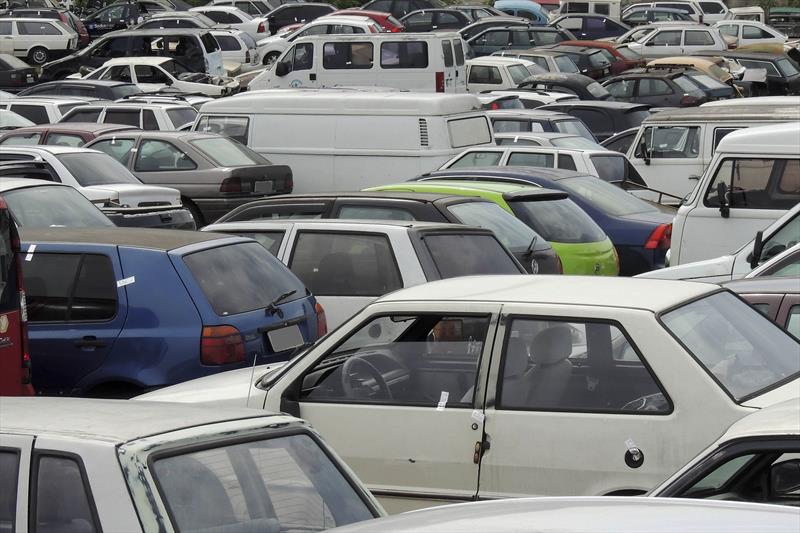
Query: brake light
247, 56
660, 239
688, 100
440, 82
261, 27
221, 345
236, 185
322, 321
494, 105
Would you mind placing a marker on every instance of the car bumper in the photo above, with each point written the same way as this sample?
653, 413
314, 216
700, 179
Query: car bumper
171, 219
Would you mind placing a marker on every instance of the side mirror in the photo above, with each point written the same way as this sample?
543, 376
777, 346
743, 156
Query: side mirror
282, 69
784, 478
724, 203
649, 43
758, 246
84, 70
645, 155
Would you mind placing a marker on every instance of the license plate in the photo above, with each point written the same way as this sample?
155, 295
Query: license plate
283, 339
263, 187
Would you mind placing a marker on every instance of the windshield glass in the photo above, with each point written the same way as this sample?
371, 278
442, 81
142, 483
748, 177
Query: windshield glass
558, 220
575, 127
609, 167
468, 255
580, 143
54, 206
511, 231
606, 197
228, 153
707, 81
786, 67
96, 169
519, 73
284, 484
181, 115
741, 348
173, 67
598, 91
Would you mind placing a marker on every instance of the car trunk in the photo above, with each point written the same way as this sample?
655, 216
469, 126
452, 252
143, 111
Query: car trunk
134, 196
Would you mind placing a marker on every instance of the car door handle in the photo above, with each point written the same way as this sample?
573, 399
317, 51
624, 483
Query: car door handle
90, 342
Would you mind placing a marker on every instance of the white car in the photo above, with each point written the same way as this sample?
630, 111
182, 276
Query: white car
158, 115
674, 41
489, 73
533, 98
545, 138
154, 74
36, 39
74, 465
270, 48
785, 264
11, 120
534, 385
235, 18
238, 47
748, 32
549, 60
43, 109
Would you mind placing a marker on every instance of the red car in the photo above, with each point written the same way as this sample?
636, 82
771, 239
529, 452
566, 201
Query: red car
62, 134
386, 20
623, 57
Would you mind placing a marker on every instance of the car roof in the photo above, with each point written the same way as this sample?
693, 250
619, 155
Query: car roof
553, 174
398, 195
774, 138
723, 113
650, 73
607, 104
90, 127
560, 77
777, 419
154, 239
534, 135
499, 60
632, 293
115, 421
10, 184
526, 113
764, 56
47, 148
138, 105
99, 83
647, 7
145, 60
765, 285
157, 32
161, 134
51, 99
356, 225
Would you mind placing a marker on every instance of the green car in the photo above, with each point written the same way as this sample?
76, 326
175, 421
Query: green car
581, 244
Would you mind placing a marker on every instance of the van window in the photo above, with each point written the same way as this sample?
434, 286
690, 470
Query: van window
469, 131
447, 49
576, 7
757, 183
234, 127
485, 75
720, 133
698, 38
337, 56
670, 142
35, 113
602, 9
404, 54
528, 159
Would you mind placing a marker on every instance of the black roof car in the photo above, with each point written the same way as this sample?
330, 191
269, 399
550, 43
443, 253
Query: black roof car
294, 13
423, 20
400, 8
101, 89
604, 118
592, 62
659, 88
468, 32
494, 39
581, 86
425, 207
783, 75
513, 120
16, 74
712, 86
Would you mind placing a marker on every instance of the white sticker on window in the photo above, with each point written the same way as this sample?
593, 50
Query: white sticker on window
31, 249
126, 281
443, 400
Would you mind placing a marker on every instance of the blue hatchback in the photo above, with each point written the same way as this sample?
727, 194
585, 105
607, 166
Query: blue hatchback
639, 230
114, 312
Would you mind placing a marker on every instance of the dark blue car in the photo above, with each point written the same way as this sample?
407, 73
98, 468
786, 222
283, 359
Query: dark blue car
114, 312
639, 230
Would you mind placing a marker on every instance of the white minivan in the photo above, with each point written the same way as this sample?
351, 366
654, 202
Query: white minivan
610, 8
35, 39
753, 179
424, 62
350, 139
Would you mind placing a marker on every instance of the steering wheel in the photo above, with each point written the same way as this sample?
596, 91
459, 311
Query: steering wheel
349, 372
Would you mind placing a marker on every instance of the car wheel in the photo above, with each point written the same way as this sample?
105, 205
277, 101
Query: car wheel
270, 59
199, 221
38, 55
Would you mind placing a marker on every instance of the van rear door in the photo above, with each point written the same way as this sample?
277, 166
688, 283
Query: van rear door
449, 67
213, 55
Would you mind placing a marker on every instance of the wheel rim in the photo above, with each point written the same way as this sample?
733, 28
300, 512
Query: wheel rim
39, 56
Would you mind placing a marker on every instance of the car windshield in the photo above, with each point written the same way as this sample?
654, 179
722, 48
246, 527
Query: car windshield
575, 127
608, 198
54, 206
598, 91
786, 67
689, 86
284, 484
609, 167
560, 221
740, 347
707, 81
580, 143
14, 62
228, 153
174, 67
96, 169
242, 277
468, 255
519, 73
511, 231
181, 115
121, 91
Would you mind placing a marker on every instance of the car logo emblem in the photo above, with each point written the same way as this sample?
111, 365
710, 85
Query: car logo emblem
597, 268
3, 323
534, 266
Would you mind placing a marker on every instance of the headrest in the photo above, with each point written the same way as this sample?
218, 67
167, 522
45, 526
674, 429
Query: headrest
552, 345
517, 359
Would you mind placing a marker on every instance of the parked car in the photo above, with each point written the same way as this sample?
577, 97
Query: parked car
532, 251
235, 18
43, 109
713, 66
540, 138
435, 20
549, 60
677, 40
238, 47
637, 33
590, 27
775, 293
176, 19
782, 76
639, 15
592, 62
36, 40
747, 32
755, 460
620, 56
347, 264
213, 173
120, 15
603, 118
640, 232
786, 264
530, 98
609, 8
468, 32
476, 11
657, 87
119, 194
224, 302
400, 8
582, 247
710, 85
387, 21
524, 9
301, 12
251, 7
690, 7
69, 134
584, 87
188, 449
155, 116
518, 120
496, 38
15, 74
54, 13
490, 73
100, 89
568, 360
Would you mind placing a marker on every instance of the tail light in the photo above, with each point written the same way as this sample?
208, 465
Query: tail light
247, 56
236, 185
494, 105
660, 239
25, 381
262, 28
559, 265
616, 258
322, 322
440, 82
221, 345
688, 100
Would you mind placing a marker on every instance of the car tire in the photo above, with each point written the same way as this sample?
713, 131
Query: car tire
270, 59
38, 55
199, 220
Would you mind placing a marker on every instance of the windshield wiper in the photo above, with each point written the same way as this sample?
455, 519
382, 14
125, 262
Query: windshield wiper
273, 309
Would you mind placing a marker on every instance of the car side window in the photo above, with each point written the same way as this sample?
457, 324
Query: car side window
793, 321
84, 115
9, 475
477, 159
149, 74
621, 88
130, 117
596, 121
410, 54
713, 8
271, 240
771, 69
729, 29
571, 23
485, 75
667, 38
432, 359
669, 142
22, 139
447, 50
159, 156
5, 28
343, 264
37, 28
62, 498
497, 38
653, 87
64, 139
119, 149
566, 162
35, 113
524, 159
754, 32
575, 365
698, 38
602, 9
756, 183
369, 212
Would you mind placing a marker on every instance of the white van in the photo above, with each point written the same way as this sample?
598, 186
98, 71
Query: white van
674, 147
423, 62
753, 179
349, 139
610, 8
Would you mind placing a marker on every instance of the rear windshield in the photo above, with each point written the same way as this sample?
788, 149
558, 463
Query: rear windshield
469, 131
53, 206
598, 60
689, 86
786, 67
609, 167
181, 116
606, 197
566, 64
558, 220
708, 82
627, 53
242, 277
598, 91
518, 73
469, 255
121, 91
511, 231
575, 127
234, 127
228, 153
96, 169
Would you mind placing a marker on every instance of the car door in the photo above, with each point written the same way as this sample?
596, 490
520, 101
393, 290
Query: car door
15, 468
697, 40
75, 312
414, 445
663, 43
491, 41
6, 37
586, 402
654, 91
669, 157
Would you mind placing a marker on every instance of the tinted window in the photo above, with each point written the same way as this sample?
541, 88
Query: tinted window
159, 156
241, 277
228, 43
347, 55
511, 231
63, 500
64, 139
43, 207
527, 159
698, 38
477, 159
9, 472
122, 116
604, 196
712, 7
410, 54
84, 115
485, 75
566, 162
757, 183
721, 133
96, 169
558, 220
459, 52
609, 167
467, 255
35, 113
447, 50
228, 153
149, 121
234, 127
342, 264
367, 212
37, 28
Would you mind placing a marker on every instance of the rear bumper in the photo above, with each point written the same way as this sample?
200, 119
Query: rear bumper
172, 219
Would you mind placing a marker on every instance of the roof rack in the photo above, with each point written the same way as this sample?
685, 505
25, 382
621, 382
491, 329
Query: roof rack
161, 94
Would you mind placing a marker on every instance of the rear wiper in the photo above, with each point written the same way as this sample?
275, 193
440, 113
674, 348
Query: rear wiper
273, 309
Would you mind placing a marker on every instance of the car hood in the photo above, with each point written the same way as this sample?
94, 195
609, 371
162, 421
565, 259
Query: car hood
719, 266
231, 388
134, 195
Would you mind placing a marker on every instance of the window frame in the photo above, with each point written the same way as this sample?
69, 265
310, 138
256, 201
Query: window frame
18, 453
143, 141
508, 320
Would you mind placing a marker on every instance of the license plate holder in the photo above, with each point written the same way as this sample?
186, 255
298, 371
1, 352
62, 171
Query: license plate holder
285, 338
264, 186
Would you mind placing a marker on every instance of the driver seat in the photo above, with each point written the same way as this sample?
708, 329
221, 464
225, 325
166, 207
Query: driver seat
548, 379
